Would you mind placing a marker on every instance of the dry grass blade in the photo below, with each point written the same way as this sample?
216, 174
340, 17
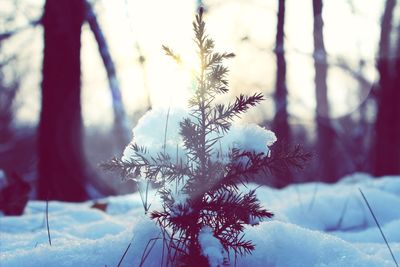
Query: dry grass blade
123, 255
47, 221
149, 247
380, 229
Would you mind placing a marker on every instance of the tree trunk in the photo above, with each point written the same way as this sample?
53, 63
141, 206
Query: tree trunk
8, 93
62, 167
325, 132
280, 123
386, 152
123, 134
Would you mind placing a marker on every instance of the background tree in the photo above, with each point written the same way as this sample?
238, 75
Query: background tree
325, 134
61, 121
8, 93
386, 152
280, 123
62, 168
121, 129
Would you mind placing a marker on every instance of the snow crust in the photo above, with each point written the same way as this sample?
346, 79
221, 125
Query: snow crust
315, 224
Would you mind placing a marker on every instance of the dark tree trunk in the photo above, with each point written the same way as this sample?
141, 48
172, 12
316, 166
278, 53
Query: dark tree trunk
361, 135
386, 152
280, 123
325, 132
7, 97
62, 167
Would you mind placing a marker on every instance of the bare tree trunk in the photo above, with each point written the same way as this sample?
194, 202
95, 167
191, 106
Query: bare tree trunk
8, 92
386, 152
362, 136
395, 115
62, 167
120, 121
325, 133
280, 123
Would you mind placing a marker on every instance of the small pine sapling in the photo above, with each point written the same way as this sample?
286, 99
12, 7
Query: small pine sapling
204, 213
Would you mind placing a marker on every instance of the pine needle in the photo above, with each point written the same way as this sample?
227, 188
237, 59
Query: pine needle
380, 229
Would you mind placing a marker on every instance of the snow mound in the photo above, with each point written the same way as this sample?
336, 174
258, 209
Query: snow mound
315, 224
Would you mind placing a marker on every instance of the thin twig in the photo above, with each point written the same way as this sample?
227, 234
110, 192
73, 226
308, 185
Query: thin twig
313, 197
380, 229
147, 196
31, 24
147, 250
47, 220
126, 251
165, 130
163, 250
340, 221
297, 189
144, 198
123, 255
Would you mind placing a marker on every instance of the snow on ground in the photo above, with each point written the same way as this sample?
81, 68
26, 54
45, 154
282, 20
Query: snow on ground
315, 224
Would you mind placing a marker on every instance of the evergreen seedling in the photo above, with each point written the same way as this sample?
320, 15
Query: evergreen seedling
205, 202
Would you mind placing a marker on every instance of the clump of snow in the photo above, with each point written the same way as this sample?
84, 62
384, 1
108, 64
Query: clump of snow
180, 207
211, 247
254, 220
153, 127
161, 122
249, 137
315, 224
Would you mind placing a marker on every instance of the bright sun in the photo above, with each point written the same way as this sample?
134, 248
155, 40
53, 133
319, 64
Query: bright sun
172, 83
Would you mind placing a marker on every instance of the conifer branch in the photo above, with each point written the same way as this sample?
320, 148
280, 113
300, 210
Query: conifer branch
171, 53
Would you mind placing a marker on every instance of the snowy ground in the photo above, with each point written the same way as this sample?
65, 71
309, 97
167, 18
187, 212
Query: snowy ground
314, 225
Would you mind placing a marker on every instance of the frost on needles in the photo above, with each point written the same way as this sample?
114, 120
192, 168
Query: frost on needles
203, 211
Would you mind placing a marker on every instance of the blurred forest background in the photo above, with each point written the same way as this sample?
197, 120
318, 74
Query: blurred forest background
77, 75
